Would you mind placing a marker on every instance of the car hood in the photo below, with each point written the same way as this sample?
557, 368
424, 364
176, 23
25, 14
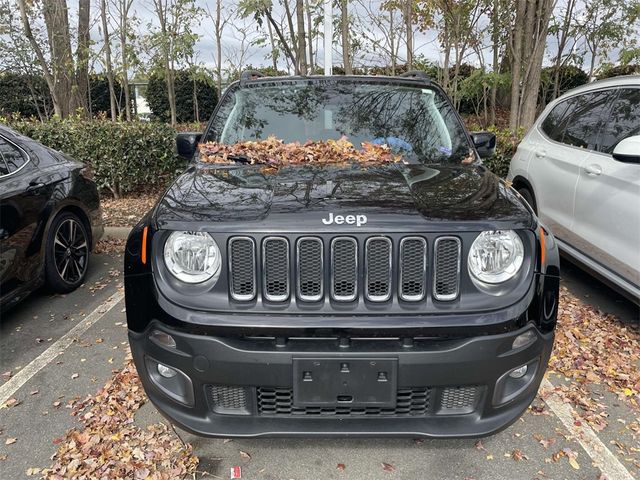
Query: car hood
394, 197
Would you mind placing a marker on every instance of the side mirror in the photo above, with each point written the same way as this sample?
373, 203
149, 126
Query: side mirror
628, 150
187, 142
485, 143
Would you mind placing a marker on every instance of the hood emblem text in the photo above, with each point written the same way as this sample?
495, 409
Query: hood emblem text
357, 220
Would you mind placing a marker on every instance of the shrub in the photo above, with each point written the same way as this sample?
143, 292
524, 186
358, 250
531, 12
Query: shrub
27, 95
570, 77
609, 71
99, 94
158, 99
124, 156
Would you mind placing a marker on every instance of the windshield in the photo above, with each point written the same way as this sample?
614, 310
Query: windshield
418, 123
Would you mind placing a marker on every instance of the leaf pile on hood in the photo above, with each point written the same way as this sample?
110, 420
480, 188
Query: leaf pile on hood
274, 152
111, 446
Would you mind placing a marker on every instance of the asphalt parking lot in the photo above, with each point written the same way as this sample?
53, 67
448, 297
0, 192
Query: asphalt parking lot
55, 350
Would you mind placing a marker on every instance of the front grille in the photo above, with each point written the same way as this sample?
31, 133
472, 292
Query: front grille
275, 260
242, 261
447, 268
413, 268
344, 269
279, 402
378, 263
310, 267
298, 268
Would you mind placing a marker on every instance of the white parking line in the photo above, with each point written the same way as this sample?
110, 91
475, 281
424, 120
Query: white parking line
41, 361
602, 457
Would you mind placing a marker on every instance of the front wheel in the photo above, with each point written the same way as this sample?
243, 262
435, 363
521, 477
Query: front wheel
67, 254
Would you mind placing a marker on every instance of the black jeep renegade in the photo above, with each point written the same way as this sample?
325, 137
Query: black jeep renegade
416, 298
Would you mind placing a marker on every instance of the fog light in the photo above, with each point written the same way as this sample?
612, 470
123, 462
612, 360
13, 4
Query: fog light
515, 373
163, 339
524, 339
166, 372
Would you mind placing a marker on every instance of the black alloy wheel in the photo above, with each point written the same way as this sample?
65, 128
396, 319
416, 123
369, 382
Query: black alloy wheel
67, 253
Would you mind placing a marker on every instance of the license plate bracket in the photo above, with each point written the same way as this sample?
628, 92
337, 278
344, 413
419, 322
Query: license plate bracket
348, 382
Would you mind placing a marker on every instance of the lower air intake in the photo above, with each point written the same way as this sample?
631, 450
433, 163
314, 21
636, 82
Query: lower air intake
279, 402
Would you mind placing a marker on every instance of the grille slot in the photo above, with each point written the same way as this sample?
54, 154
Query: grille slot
275, 268
378, 269
242, 263
413, 268
344, 269
459, 399
228, 399
279, 402
310, 264
446, 283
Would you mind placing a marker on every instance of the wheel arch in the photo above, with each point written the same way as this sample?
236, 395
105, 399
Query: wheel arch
72, 206
519, 182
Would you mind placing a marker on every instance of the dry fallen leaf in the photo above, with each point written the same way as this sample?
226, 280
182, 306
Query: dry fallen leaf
518, 455
341, 467
245, 455
10, 441
12, 402
387, 467
75, 375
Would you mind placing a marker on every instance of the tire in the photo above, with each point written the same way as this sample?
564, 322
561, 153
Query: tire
67, 253
528, 196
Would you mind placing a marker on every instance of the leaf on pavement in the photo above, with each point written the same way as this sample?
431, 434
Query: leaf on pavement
12, 402
245, 455
518, 455
341, 467
10, 441
387, 467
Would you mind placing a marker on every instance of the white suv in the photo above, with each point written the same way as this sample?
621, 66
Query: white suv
579, 169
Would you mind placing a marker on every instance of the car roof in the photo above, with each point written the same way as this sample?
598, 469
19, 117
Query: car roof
620, 81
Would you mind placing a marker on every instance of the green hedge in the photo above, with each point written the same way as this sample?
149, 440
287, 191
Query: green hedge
124, 156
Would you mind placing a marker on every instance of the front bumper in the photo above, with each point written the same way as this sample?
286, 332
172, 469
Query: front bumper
244, 386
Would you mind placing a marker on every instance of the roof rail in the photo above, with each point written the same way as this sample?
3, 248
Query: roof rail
416, 74
250, 75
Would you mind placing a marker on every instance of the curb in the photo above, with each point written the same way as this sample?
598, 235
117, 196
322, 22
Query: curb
119, 233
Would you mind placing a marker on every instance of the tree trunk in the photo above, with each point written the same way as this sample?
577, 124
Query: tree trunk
124, 27
530, 32
562, 43
288, 52
48, 76
310, 34
218, 32
392, 41
82, 54
57, 23
516, 62
302, 38
344, 28
495, 39
107, 59
408, 24
272, 40
292, 33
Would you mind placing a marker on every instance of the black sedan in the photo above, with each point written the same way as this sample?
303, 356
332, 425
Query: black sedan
50, 218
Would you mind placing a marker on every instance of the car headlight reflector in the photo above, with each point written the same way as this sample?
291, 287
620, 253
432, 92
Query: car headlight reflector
496, 256
192, 257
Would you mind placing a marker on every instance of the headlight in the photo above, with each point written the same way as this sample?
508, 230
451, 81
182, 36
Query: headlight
496, 256
192, 257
